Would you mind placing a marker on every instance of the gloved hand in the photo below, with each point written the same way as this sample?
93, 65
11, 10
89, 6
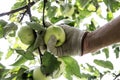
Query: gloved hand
72, 44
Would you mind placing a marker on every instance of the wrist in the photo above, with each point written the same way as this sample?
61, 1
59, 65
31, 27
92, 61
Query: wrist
84, 43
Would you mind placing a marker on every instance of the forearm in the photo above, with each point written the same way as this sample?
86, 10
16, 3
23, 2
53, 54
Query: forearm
104, 36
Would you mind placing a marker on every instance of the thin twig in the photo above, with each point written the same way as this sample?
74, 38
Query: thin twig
45, 1
29, 11
23, 14
40, 54
116, 76
16, 10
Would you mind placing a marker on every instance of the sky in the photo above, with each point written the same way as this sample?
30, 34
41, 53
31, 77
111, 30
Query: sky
5, 5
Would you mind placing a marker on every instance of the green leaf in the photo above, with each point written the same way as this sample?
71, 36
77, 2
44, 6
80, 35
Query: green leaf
49, 63
9, 53
28, 54
112, 5
72, 67
14, 17
91, 7
65, 21
20, 73
109, 16
2, 25
52, 11
35, 19
56, 19
3, 73
9, 28
105, 64
2, 66
19, 4
91, 27
117, 51
35, 26
106, 51
20, 61
1, 32
83, 3
2, 22
93, 70
84, 13
1, 54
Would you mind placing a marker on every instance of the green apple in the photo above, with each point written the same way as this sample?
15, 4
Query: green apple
26, 35
38, 75
56, 31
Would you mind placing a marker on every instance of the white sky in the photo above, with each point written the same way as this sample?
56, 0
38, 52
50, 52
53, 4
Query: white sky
5, 5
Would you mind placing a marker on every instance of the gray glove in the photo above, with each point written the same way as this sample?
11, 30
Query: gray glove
72, 44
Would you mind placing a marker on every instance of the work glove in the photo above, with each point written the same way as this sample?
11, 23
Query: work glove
72, 44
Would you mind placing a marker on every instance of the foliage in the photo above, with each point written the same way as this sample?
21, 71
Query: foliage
55, 10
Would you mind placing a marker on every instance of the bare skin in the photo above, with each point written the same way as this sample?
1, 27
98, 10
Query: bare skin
104, 36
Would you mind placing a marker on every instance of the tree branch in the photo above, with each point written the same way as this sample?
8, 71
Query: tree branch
116, 76
16, 10
23, 14
29, 11
45, 1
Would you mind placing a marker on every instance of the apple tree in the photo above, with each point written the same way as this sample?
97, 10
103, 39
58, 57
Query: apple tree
24, 32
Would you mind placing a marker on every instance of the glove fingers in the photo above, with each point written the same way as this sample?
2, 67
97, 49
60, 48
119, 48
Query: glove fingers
51, 45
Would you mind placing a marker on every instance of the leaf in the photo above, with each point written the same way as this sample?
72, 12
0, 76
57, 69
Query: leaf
109, 16
91, 7
83, 3
2, 22
91, 27
1, 66
3, 73
93, 70
9, 53
56, 19
49, 63
35, 26
65, 21
117, 51
112, 5
11, 27
35, 19
105, 64
19, 4
14, 17
20, 61
28, 54
51, 10
1, 32
2, 25
106, 51
72, 67
1, 54
84, 13
20, 72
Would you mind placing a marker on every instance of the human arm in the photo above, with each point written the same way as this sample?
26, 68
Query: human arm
104, 36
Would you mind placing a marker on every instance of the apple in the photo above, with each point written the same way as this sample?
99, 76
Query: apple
26, 35
38, 75
56, 31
